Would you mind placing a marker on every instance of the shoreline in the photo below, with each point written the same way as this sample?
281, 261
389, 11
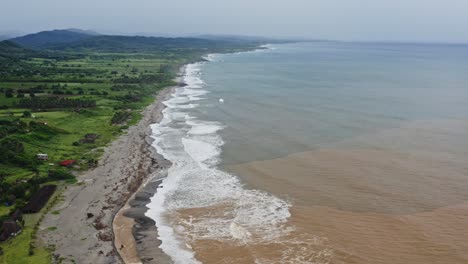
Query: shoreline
135, 234
84, 226
134, 230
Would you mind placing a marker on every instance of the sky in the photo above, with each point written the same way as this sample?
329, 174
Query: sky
349, 20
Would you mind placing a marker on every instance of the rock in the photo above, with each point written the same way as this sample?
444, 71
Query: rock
105, 236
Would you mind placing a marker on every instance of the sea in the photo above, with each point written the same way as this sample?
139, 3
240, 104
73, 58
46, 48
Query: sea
318, 152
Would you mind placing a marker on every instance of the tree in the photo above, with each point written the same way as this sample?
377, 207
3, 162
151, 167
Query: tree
12, 145
27, 114
8, 94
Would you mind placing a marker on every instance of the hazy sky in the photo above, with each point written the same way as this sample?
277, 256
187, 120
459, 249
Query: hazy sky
395, 20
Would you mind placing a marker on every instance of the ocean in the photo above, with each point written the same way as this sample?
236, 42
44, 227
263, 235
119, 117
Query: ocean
322, 152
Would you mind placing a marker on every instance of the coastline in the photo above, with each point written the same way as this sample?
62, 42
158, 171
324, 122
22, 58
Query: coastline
133, 231
113, 192
135, 234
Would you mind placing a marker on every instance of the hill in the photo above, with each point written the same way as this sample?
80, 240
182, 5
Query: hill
143, 44
9, 49
86, 32
43, 39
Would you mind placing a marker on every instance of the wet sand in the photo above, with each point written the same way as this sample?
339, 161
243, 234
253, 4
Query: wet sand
128, 223
144, 229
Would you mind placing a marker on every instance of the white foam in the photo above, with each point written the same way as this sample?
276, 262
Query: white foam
203, 127
268, 47
177, 100
238, 232
194, 92
194, 181
203, 153
212, 57
196, 98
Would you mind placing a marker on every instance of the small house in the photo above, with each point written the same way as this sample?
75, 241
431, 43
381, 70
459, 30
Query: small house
67, 163
42, 156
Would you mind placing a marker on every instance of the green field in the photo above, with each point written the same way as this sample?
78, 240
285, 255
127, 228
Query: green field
115, 85
24, 248
70, 101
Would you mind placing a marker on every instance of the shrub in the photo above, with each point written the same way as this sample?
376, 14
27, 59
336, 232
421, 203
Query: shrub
27, 114
60, 174
120, 117
55, 102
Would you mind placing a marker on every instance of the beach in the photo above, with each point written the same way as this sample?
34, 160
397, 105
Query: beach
105, 204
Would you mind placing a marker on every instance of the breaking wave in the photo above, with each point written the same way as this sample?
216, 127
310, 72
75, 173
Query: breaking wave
197, 200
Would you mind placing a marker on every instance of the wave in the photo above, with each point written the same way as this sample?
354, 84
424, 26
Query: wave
212, 57
197, 200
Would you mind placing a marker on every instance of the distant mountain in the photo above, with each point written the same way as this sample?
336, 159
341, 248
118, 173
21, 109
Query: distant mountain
11, 50
140, 43
46, 38
86, 32
48, 42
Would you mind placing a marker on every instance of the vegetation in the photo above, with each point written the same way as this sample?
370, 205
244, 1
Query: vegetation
45, 38
55, 102
68, 94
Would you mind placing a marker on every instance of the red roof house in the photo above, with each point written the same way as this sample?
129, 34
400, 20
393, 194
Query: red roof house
67, 163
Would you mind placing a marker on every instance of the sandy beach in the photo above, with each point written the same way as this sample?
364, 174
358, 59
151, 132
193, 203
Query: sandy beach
101, 218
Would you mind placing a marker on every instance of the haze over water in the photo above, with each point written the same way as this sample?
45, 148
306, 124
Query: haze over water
337, 153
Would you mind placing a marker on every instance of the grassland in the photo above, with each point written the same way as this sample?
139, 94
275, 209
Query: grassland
17, 250
115, 82
24, 248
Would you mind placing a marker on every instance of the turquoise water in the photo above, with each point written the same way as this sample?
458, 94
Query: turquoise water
299, 97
